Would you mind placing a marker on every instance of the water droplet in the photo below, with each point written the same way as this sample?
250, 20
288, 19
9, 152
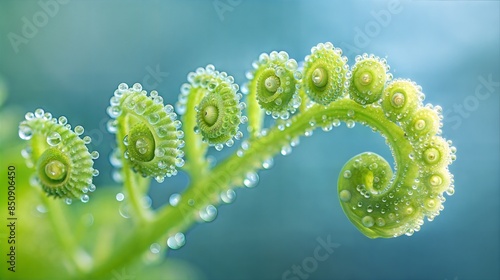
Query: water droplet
54, 139
179, 162
124, 210
160, 179
350, 123
29, 116
87, 139
79, 130
345, 195
336, 122
39, 113
141, 145
176, 241
228, 196
25, 131
120, 196
367, 221
251, 180
286, 150
92, 188
85, 198
68, 201
450, 191
208, 213
112, 126
380, 222
153, 118
219, 147
268, 163
155, 248
41, 209
174, 199
347, 174
94, 155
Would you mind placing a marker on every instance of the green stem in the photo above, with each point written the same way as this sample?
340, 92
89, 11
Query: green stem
195, 150
230, 173
255, 113
133, 183
78, 257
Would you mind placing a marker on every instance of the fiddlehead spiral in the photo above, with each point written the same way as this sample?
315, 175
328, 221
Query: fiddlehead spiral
326, 74
218, 107
63, 163
275, 81
383, 205
368, 78
400, 99
147, 131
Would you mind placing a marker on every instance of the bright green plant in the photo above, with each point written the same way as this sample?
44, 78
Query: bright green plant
152, 142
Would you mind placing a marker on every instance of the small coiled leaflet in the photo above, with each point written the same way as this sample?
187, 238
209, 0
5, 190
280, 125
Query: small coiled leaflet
63, 163
326, 74
275, 81
217, 105
148, 131
368, 79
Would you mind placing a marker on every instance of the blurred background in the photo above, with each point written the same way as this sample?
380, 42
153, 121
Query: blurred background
68, 57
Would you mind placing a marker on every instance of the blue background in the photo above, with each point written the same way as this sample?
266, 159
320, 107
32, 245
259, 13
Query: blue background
73, 63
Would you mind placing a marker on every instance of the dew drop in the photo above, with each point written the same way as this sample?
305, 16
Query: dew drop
268, 163
176, 241
174, 199
25, 131
228, 196
160, 179
367, 221
94, 155
29, 116
208, 214
124, 210
120, 196
42, 209
85, 198
347, 174
251, 180
380, 222
350, 123
219, 147
54, 139
286, 150
153, 118
87, 139
155, 248
79, 130
336, 122
112, 126
345, 195
39, 113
